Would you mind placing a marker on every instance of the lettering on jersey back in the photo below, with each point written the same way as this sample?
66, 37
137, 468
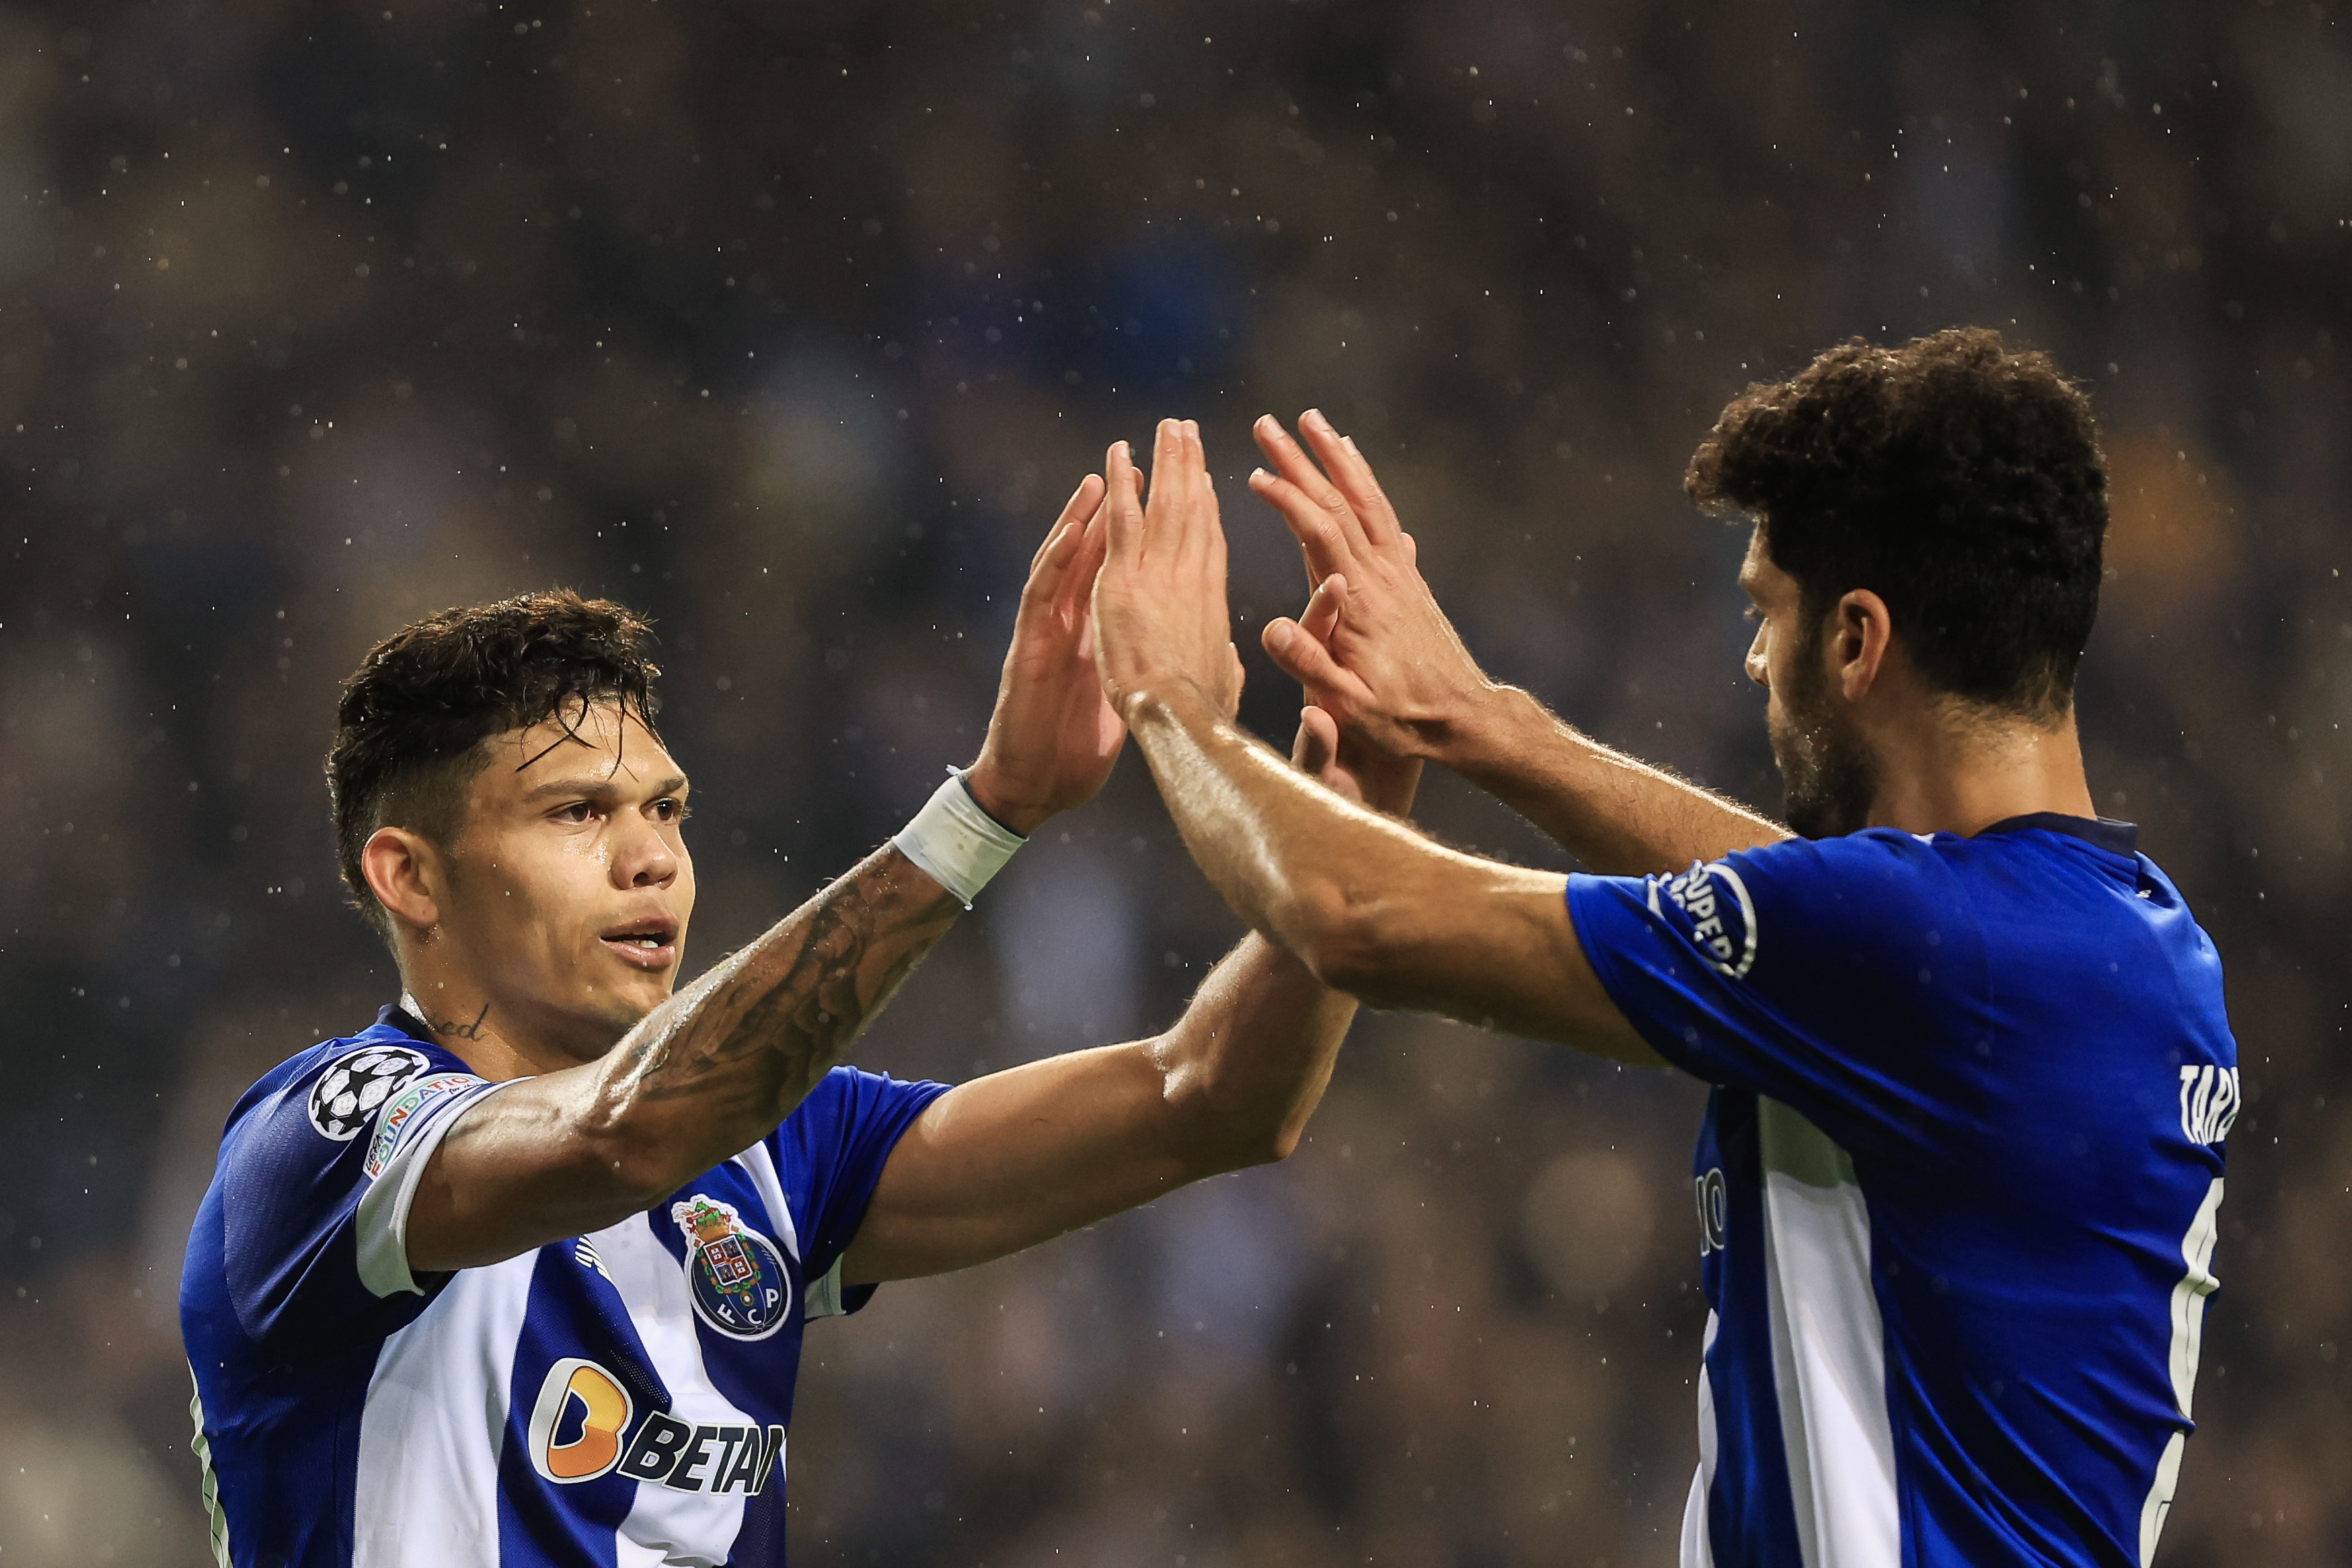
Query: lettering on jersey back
2209, 1104
1709, 1191
718, 1459
345, 1097
735, 1275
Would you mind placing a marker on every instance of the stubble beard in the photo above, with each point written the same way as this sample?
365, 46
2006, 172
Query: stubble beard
1828, 775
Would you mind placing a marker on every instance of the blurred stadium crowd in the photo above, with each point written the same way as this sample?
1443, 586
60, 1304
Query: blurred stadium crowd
792, 325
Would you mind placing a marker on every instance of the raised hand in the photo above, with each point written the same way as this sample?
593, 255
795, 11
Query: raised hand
1160, 618
1373, 649
1053, 739
1351, 769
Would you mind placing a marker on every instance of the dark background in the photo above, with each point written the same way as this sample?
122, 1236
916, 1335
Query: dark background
792, 324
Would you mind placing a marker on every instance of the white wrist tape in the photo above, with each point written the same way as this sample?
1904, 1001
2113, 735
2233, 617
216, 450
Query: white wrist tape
957, 844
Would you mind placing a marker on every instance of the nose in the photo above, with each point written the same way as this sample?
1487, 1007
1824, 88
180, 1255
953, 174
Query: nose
643, 856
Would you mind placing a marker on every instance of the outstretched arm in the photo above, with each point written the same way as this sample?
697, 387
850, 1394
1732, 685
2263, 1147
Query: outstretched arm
1392, 670
1368, 905
1007, 1161
713, 1070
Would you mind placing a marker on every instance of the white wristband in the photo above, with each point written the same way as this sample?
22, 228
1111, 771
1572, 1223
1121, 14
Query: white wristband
957, 844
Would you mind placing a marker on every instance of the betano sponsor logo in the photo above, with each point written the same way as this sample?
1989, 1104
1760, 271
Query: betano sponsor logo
579, 1431
576, 1426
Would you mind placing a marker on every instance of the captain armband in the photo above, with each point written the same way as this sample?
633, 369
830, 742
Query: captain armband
957, 844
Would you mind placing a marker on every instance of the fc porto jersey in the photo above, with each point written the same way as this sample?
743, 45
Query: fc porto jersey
1957, 1186
619, 1398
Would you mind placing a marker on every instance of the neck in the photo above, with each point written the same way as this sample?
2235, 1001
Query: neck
1958, 769
496, 1041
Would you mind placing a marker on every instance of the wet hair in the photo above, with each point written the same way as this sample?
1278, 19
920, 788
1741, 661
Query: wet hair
414, 716
1960, 482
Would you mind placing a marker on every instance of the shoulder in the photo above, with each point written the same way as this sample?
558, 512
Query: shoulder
1855, 883
337, 1087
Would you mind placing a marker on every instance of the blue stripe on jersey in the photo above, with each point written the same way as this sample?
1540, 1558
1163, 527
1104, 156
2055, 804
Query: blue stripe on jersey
545, 1523
1748, 1509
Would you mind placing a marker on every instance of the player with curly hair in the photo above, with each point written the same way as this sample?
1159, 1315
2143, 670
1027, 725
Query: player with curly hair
1959, 1172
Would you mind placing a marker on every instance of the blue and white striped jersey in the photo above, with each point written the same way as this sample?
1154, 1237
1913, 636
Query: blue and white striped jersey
620, 1398
1957, 1186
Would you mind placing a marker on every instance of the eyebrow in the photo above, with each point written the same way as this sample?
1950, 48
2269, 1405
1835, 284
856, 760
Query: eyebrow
600, 787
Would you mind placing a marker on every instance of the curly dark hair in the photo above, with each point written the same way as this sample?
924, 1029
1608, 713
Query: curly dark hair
1960, 482
410, 726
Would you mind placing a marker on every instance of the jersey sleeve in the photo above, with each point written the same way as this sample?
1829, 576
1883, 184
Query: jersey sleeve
1821, 973
836, 1144
318, 1169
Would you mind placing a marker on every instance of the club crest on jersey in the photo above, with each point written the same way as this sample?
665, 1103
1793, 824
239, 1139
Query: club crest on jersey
735, 1275
1722, 917
345, 1097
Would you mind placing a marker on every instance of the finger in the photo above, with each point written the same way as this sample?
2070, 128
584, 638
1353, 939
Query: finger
1089, 544
1075, 513
1123, 503
1352, 477
1163, 510
1317, 743
1209, 530
1292, 463
1310, 664
1324, 609
1321, 537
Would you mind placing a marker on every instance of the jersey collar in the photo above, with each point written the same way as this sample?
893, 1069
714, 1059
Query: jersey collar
2115, 837
406, 1017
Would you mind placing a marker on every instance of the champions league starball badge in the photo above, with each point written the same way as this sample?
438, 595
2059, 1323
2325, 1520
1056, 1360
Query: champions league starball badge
346, 1096
735, 1274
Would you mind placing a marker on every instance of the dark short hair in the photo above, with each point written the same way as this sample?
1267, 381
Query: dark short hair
415, 714
1960, 482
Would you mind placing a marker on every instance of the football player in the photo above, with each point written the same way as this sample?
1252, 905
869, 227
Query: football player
517, 1274
1959, 1172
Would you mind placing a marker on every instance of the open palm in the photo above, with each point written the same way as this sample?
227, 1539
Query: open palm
1053, 739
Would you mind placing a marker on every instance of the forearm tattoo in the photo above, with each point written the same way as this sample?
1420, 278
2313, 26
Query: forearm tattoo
751, 1037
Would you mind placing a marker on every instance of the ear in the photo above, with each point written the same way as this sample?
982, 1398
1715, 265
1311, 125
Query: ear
404, 871
1861, 632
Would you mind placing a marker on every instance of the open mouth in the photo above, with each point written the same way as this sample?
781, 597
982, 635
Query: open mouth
649, 942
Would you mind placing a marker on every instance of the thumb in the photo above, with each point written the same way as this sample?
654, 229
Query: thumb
1298, 654
1316, 753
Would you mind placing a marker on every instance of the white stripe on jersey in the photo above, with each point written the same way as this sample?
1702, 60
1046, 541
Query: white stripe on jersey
1697, 1551
760, 1168
679, 1527
2188, 1330
1829, 1347
435, 1416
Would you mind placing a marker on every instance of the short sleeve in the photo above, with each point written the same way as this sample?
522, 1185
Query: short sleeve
1819, 973
318, 1167
834, 1148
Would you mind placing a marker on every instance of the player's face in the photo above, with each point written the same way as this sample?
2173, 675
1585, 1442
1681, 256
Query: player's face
1829, 776
571, 888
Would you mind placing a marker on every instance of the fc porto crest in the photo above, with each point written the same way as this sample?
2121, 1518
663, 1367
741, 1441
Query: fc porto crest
735, 1275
